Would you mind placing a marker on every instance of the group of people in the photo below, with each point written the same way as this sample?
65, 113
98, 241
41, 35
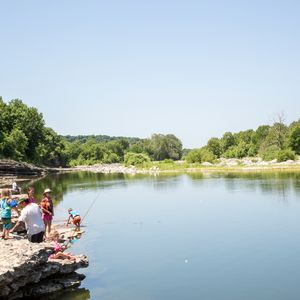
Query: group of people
37, 218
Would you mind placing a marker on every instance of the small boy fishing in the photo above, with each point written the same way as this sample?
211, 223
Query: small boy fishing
75, 217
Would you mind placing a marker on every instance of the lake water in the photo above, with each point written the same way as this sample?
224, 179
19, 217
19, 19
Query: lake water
190, 236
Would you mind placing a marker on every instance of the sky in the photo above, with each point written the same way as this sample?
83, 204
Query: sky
195, 69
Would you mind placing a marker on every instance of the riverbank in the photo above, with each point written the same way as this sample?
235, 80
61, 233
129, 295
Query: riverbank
17, 171
222, 165
26, 271
11, 170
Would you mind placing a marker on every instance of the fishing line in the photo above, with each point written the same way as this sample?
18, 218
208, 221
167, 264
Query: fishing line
87, 212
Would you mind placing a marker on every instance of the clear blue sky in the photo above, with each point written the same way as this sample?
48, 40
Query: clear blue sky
192, 68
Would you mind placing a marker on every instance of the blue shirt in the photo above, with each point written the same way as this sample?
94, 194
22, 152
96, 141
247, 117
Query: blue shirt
74, 213
5, 209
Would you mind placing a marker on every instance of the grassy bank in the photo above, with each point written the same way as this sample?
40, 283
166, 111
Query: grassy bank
171, 166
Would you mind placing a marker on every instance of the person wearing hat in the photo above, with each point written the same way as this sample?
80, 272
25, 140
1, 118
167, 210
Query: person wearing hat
31, 215
48, 211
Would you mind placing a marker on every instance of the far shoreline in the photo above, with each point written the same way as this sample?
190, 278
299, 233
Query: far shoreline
14, 171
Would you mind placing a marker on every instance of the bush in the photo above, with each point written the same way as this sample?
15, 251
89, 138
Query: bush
194, 156
135, 159
238, 151
269, 153
284, 155
200, 155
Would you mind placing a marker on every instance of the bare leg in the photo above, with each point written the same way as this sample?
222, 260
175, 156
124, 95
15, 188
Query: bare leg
49, 227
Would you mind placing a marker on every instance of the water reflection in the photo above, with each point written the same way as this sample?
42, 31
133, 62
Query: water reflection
268, 182
72, 294
149, 235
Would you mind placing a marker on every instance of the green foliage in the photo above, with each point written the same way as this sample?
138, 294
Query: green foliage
294, 138
284, 155
269, 153
194, 156
227, 141
14, 144
200, 156
163, 147
238, 151
99, 138
23, 136
136, 159
214, 145
50, 150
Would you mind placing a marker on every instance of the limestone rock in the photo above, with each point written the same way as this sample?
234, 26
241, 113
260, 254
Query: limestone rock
25, 269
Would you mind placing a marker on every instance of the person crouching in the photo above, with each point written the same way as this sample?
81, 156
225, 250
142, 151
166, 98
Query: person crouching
31, 215
75, 217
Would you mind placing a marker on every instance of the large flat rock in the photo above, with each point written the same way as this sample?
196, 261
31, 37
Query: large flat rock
25, 267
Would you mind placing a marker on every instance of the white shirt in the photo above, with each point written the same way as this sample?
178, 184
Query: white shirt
14, 186
31, 215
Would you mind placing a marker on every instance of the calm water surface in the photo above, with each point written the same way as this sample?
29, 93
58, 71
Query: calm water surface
234, 236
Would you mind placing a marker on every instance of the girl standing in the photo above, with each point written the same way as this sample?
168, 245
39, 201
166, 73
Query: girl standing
48, 212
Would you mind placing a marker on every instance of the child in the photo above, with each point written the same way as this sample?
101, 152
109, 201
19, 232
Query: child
58, 249
6, 205
48, 211
75, 217
30, 193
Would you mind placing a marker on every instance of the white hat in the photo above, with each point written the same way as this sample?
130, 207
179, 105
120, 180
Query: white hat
47, 191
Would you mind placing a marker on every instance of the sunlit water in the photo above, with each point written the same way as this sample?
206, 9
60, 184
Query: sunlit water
194, 236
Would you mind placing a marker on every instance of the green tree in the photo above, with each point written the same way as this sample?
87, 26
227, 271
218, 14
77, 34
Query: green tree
227, 141
29, 120
200, 155
294, 138
50, 150
163, 147
14, 144
214, 145
136, 159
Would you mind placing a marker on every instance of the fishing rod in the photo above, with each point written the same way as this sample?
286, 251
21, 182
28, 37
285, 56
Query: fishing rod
85, 215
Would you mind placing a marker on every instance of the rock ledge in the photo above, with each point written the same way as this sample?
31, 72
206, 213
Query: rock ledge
26, 271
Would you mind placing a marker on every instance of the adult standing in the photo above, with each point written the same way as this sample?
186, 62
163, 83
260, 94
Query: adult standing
31, 215
48, 211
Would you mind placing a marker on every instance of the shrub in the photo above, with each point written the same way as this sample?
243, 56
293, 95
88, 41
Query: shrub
269, 153
200, 155
284, 155
194, 156
135, 159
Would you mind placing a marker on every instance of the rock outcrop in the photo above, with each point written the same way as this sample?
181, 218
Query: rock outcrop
26, 271
12, 167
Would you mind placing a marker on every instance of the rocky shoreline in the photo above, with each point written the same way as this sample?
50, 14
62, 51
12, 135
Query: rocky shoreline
27, 271
244, 164
17, 171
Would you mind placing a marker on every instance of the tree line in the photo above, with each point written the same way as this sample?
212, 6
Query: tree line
25, 137
278, 141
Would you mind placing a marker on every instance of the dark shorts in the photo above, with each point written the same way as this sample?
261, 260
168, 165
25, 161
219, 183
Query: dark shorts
36, 238
7, 223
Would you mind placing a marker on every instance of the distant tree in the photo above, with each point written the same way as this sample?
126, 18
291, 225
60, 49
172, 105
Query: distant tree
29, 121
260, 134
50, 150
238, 151
136, 159
194, 156
228, 140
118, 147
214, 145
200, 155
14, 144
163, 147
294, 138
